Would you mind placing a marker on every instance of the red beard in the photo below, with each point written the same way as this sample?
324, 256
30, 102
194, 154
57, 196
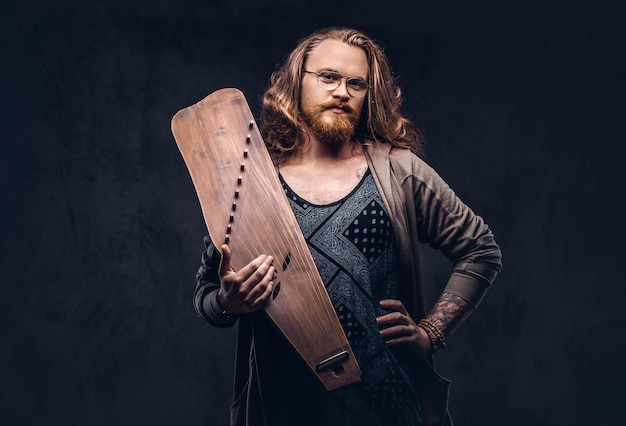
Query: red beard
341, 127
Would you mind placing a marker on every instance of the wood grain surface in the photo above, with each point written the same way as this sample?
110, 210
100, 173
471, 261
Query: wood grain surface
244, 205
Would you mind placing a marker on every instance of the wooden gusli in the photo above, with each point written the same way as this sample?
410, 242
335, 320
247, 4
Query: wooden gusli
244, 206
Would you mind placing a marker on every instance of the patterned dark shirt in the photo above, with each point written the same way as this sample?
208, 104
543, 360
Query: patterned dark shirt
351, 242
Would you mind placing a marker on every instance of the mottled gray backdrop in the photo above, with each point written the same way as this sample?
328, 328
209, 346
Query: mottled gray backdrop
521, 103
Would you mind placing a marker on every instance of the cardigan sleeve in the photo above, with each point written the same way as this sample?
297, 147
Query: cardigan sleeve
207, 284
448, 225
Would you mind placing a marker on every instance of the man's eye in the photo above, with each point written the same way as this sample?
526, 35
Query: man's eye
329, 77
357, 83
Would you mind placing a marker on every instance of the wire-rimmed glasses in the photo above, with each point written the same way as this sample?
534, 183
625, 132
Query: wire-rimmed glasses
330, 80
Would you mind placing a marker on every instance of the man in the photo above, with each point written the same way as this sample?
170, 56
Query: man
364, 200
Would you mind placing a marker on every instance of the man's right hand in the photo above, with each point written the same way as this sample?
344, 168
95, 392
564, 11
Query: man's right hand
248, 289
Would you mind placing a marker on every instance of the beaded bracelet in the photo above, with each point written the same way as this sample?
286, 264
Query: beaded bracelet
437, 340
223, 312
431, 338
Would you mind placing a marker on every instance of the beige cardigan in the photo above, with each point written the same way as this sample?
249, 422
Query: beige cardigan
422, 208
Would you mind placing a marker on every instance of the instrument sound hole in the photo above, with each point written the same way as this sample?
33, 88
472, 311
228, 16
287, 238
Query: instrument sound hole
287, 260
337, 370
276, 290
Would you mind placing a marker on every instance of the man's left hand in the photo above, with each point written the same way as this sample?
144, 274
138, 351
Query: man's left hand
398, 328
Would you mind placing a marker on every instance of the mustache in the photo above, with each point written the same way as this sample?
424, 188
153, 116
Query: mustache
337, 104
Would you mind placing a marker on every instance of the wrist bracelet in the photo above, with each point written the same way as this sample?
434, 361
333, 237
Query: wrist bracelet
437, 340
223, 312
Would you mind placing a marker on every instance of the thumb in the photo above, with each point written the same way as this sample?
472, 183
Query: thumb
225, 264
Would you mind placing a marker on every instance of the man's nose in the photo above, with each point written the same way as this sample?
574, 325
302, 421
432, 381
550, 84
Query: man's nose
342, 90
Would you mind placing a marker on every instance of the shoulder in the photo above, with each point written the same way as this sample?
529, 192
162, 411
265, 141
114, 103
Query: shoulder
413, 173
404, 163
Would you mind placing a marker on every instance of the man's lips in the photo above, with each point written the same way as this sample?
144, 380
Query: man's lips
339, 108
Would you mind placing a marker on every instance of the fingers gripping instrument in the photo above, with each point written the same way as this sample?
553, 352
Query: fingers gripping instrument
244, 206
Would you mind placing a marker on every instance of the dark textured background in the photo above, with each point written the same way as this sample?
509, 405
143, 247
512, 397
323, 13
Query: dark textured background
521, 103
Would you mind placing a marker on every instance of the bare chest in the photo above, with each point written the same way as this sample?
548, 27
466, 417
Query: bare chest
323, 186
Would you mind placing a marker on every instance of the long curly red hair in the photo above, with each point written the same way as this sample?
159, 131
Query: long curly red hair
381, 120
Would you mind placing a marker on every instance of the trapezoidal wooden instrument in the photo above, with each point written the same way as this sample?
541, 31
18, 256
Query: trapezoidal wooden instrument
244, 206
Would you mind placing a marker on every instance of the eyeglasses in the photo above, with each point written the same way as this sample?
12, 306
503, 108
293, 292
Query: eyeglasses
329, 81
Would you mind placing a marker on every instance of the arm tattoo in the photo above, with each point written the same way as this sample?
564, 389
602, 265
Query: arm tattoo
449, 312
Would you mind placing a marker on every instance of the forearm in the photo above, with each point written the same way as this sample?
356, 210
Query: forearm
207, 284
447, 315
